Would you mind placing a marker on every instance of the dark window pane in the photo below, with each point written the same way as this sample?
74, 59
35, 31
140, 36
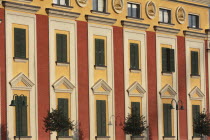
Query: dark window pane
129, 9
20, 42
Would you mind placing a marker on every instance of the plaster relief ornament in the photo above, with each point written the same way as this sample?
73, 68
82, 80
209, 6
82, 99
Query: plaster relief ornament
118, 5
82, 3
180, 15
151, 9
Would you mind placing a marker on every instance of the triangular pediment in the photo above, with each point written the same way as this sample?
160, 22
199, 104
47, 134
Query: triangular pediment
21, 82
196, 94
63, 85
167, 92
136, 90
101, 87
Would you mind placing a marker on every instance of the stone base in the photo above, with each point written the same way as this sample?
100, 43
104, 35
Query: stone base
137, 138
102, 137
64, 137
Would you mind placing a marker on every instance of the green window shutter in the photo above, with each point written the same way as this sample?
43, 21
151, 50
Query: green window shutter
132, 56
135, 108
172, 61
136, 58
67, 2
21, 116
102, 56
195, 111
63, 106
194, 63
101, 117
164, 60
97, 50
61, 45
167, 120
20, 42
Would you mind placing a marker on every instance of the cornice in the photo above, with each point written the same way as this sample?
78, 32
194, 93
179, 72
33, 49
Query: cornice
134, 25
198, 3
100, 20
194, 34
20, 7
62, 13
166, 30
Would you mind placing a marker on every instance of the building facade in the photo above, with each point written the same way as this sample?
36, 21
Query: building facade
98, 60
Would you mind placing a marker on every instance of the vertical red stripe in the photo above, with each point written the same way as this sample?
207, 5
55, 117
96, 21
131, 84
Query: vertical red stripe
42, 73
119, 82
182, 87
207, 75
3, 76
83, 94
152, 85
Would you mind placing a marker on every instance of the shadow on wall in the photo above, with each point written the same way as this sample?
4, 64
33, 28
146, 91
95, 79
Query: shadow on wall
4, 132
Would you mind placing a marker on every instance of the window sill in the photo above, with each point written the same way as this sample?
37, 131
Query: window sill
164, 23
135, 70
169, 137
194, 76
167, 73
100, 67
23, 60
102, 137
23, 137
134, 18
196, 29
61, 6
64, 137
26, 1
62, 63
100, 13
196, 137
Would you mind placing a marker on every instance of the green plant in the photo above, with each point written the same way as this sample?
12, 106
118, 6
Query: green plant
135, 125
201, 124
57, 122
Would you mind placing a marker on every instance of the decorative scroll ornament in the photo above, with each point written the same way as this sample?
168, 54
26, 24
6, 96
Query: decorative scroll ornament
151, 9
82, 3
118, 5
180, 15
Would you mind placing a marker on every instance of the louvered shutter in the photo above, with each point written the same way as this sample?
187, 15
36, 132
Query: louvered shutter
64, 48
195, 111
101, 117
102, 54
135, 108
194, 63
97, 49
172, 61
136, 56
20, 42
164, 60
167, 120
132, 56
59, 47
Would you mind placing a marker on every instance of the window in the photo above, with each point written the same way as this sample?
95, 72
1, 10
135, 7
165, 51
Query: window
193, 21
195, 111
21, 116
167, 120
99, 5
165, 15
99, 52
19, 43
134, 56
61, 2
133, 10
63, 106
194, 63
135, 108
101, 117
168, 60
61, 47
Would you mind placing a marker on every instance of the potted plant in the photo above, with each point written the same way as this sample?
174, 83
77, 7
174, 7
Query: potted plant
201, 125
56, 121
135, 125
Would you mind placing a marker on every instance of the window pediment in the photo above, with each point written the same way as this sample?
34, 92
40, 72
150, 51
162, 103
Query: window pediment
101, 87
21, 82
63, 85
196, 94
167, 92
136, 90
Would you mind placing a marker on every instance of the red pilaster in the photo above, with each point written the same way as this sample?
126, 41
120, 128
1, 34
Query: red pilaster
207, 76
3, 77
152, 85
119, 82
83, 94
42, 73
182, 87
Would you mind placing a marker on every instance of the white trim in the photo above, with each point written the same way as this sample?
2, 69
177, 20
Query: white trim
101, 84
63, 80
69, 26
170, 90
138, 87
197, 91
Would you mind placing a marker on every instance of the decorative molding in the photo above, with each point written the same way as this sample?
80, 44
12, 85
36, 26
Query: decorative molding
20, 7
194, 34
169, 89
136, 86
62, 13
150, 9
62, 6
63, 80
100, 20
208, 37
197, 91
101, 84
180, 15
118, 5
166, 30
100, 13
189, 2
135, 25
21, 78
82, 3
